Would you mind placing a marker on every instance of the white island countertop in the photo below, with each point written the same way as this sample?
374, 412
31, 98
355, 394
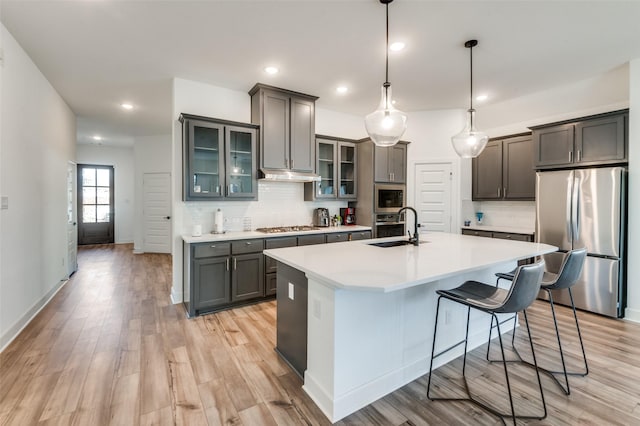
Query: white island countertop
357, 265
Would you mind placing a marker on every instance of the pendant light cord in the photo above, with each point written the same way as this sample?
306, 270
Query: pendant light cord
471, 78
386, 75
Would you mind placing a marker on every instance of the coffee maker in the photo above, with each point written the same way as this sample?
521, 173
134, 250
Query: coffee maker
321, 217
348, 215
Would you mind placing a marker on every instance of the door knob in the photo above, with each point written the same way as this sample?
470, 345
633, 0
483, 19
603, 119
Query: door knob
168, 217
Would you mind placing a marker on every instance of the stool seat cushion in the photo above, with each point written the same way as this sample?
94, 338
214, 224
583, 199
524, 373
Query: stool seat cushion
476, 294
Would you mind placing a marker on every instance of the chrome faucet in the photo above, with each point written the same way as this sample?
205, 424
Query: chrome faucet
415, 239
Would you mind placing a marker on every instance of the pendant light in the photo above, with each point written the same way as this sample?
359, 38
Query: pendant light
470, 142
386, 125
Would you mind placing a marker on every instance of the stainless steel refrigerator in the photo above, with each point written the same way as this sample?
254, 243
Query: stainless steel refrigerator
586, 208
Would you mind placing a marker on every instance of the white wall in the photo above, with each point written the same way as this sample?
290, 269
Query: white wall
122, 160
152, 154
279, 203
38, 139
633, 278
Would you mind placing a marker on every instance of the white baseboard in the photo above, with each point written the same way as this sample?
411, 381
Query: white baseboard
13, 331
632, 314
176, 297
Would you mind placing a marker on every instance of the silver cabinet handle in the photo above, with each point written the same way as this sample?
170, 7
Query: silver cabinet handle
579, 155
227, 263
235, 263
498, 192
292, 162
217, 189
248, 243
571, 156
212, 246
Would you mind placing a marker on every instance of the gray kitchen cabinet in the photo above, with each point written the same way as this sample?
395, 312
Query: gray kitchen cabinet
475, 233
390, 163
287, 128
337, 237
247, 278
504, 236
211, 278
307, 240
360, 235
270, 263
291, 330
504, 170
336, 163
594, 140
219, 159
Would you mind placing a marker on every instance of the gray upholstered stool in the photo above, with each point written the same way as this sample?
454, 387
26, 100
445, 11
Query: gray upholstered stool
493, 300
566, 278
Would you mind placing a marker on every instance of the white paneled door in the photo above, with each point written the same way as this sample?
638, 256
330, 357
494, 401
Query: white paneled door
157, 212
433, 195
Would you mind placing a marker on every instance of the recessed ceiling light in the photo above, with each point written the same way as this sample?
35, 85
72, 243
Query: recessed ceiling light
271, 70
97, 138
398, 45
126, 105
481, 98
342, 89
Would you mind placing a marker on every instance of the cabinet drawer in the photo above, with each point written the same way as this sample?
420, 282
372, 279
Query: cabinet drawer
475, 233
273, 243
308, 240
362, 235
337, 237
514, 237
247, 246
211, 250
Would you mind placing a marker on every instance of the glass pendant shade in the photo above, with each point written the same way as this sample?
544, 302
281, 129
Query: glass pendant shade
386, 125
470, 142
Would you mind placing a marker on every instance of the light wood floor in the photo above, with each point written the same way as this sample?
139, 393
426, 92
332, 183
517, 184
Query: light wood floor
110, 348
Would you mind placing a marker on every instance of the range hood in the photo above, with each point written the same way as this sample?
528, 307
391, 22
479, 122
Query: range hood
287, 176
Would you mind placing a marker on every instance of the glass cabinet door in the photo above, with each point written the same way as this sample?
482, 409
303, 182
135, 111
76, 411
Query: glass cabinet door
347, 160
241, 162
326, 154
206, 162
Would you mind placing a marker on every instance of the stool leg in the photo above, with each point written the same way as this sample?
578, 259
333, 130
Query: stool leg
506, 372
466, 341
535, 363
433, 348
555, 324
490, 333
584, 355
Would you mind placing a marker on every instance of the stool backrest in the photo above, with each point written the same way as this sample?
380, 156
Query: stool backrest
570, 269
524, 289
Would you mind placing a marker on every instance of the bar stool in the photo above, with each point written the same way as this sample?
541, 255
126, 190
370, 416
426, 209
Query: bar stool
492, 300
567, 277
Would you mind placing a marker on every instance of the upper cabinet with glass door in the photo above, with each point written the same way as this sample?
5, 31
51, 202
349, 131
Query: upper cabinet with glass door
219, 159
336, 165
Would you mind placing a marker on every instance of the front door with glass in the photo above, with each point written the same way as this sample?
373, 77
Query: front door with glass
95, 198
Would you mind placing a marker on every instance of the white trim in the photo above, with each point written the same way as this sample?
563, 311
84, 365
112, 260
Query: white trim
176, 296
631, 314
22, 322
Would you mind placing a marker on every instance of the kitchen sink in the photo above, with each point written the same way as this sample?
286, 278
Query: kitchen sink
391, 243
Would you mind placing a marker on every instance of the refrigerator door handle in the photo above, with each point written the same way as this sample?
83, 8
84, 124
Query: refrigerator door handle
575, 210
569, 213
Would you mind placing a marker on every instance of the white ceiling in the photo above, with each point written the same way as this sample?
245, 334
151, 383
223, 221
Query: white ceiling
100, 53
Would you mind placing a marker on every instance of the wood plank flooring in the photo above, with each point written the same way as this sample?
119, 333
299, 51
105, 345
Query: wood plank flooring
110, 348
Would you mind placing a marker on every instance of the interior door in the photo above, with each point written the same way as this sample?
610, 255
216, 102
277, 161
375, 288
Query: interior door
72, 220
433, 196
95, 196
157, 212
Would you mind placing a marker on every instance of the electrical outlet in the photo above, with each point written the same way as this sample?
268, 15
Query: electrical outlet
291, 291
317, 309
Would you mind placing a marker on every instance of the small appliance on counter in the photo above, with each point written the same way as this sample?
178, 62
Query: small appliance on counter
321, 217
348, 215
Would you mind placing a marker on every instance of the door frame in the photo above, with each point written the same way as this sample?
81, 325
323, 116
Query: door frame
456, 200
112, 219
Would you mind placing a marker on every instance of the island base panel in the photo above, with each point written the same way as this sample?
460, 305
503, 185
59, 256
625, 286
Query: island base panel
291, 336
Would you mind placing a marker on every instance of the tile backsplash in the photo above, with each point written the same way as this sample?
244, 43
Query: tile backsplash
279, 204
519, 214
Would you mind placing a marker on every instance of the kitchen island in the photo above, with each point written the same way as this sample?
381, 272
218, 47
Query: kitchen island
370, 310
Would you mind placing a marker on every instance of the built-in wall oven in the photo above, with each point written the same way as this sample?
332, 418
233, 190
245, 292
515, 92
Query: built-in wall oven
389, 198
389, 225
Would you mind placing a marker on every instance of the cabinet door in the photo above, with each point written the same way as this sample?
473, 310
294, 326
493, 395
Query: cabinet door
553, 146
270, 284
337, 237
303, 129
362, 235
601, 140
381, 164
326, 168
519, 176
398, 163
211, 282
275, 130
204, 168
247, 279
241, 164
487, 173
486, 234
347, 171
307, 240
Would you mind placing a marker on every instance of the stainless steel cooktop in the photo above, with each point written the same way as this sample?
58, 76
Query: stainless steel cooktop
277, 229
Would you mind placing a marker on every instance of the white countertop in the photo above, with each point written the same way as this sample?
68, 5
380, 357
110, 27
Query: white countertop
243, 235
498, 228
356, 265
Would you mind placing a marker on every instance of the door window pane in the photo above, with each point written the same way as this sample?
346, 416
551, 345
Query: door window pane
88, 177
88, 195
102, 195
88, 214
102, 214
103, 177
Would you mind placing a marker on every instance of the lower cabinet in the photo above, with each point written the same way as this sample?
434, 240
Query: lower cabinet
360, 235
270, 263
247, 279
503, 236
211, 277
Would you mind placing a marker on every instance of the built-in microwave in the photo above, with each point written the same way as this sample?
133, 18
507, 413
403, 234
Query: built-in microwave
389, 198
